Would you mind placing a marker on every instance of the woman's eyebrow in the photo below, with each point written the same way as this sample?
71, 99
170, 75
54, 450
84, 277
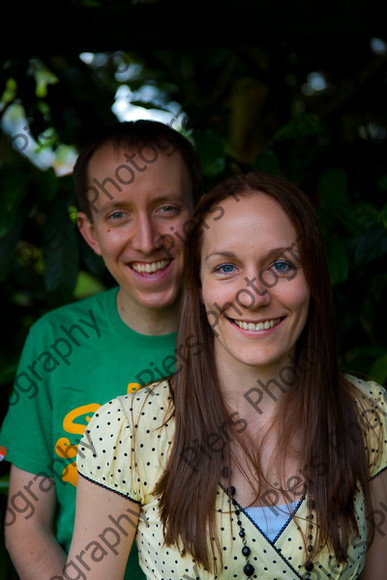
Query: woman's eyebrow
224, 253
274, 252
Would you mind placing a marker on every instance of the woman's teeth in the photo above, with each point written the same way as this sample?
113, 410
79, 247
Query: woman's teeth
259, 326
150, 268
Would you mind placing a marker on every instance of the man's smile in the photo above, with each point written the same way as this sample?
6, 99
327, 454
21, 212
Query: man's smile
149, 267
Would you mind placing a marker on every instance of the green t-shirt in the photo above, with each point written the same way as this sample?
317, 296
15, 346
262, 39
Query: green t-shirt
75, 359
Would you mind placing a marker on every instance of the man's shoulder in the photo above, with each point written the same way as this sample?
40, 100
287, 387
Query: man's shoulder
75, 310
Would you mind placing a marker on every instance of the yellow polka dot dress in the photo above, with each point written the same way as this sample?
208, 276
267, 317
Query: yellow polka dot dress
131, 438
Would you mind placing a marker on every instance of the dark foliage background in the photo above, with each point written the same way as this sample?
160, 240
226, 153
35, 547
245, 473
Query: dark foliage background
303, 95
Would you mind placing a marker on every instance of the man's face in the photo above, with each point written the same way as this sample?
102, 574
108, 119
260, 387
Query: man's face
140, 202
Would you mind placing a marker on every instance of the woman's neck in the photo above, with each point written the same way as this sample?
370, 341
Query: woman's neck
255, 391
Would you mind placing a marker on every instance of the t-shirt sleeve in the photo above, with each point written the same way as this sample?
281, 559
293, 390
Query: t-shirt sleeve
26, 431
106, 454
373, 417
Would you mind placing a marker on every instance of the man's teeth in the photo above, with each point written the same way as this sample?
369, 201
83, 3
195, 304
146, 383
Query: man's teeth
149, 268
260, 326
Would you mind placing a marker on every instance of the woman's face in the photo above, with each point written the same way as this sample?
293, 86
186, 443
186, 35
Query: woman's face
253, 285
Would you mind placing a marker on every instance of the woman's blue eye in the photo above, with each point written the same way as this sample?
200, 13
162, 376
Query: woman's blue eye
225, 268
283, 267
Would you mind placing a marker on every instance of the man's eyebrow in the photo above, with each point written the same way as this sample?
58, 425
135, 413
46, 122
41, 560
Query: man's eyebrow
172, 195
117, 203
114, 204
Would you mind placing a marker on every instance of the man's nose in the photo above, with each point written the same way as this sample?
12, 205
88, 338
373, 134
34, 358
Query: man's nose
145, 237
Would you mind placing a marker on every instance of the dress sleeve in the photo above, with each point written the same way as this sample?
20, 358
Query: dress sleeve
106, 454
373, 417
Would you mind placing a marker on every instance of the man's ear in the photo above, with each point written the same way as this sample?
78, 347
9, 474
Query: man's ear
87, 229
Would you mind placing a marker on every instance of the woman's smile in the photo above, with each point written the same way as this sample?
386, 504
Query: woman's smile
260, 287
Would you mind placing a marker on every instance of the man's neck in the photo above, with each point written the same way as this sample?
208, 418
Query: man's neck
148, 321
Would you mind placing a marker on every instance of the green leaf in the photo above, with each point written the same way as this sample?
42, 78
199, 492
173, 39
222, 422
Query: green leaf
382, 184
148, 105
383, 216
10, 91
379, 370
94, 264
8, 244
366, 214
305, 125
4, 485
267, 161
370, 245
332, 188
8, 371
61, 258
12, 184
87, 285
338, 260
49, 183
211, 151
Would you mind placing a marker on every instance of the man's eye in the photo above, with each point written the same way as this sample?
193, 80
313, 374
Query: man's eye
225, 268
168, 208
116, 215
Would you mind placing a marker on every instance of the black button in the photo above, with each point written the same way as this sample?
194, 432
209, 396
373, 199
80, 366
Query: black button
248, 570
309, 566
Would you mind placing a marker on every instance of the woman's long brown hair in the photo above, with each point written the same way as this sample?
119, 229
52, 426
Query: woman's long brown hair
319, 403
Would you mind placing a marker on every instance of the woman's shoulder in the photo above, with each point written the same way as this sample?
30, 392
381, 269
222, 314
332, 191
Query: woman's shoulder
153, 394
371, 400
368, 392
149, 404
150, 399
123, 432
